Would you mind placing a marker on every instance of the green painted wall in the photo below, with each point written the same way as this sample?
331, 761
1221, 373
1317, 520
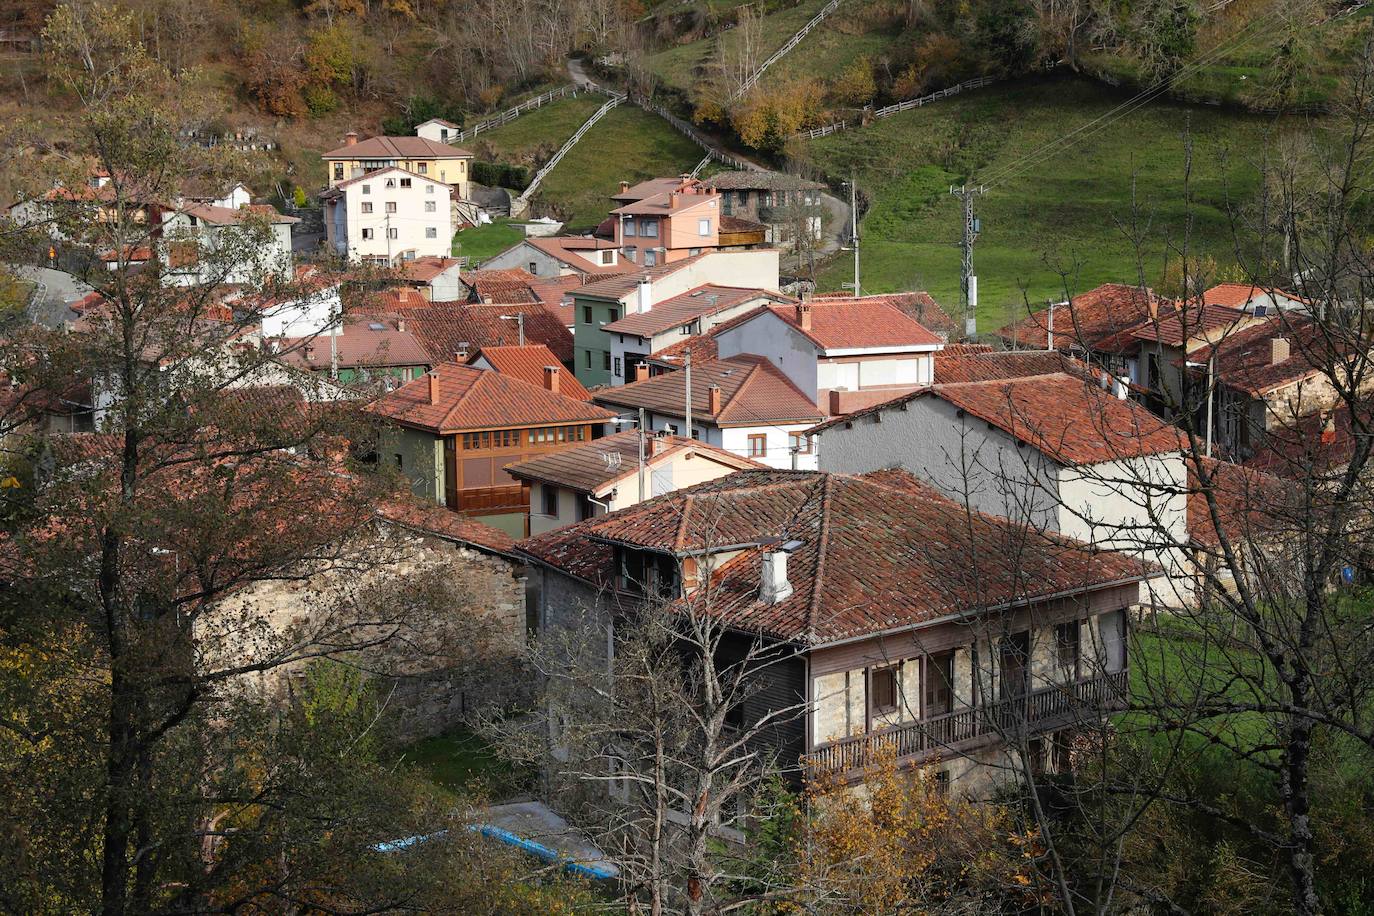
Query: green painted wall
421, 460
591, 345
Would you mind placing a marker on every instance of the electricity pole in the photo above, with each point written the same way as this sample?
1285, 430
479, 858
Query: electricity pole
687, 384
854, 231
969, 282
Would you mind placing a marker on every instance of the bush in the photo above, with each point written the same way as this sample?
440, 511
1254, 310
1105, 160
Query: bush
417, 110
501, 175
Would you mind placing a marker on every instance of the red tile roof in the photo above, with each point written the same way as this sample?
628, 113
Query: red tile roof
527, 364
224, 216
594, 467
424, 270
1249, 503
618, 286
398, 148
660, 204
1099, 320
572, 251
501, 286
473, 399
1072, 420
1317, 445
1237, 295
1245, 359
979, 363
917, 304
443, 328
361, 343
699, 302
1190, 323
415, 514
701, 346
753, 392
877, 552
842, 324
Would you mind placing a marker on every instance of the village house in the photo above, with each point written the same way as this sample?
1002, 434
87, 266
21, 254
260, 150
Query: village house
682, 221
1254, 299
228, 194
453, 431
608, 300
438, 279
615, 472
1056, 452
743, 404
388, 216
657, 325
453, 331
892, 616
585, 256
358, 352
786, 204
193, 244
437, 130
429, 159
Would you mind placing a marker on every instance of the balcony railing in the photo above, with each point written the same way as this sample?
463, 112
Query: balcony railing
1039, 710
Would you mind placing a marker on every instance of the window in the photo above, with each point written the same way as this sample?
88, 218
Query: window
801, 443
758, 445
703, 227
650, 257
431, 207
607, 258
612, 315
939, 686
405, 182
367, 189
650, 229
882, 689
391, 206
1112, 626
393, 233
391, 182
942, 783
367, 206
338, 171
584, 503
431, 232
429, 189
606, 359
400, 462
629, 227
1066, 647
550, 495
588, 360
367, 233
534, 269
423, 167
1152, 378
615, 370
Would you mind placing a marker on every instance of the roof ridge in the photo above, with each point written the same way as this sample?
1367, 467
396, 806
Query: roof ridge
822, 546
681, 535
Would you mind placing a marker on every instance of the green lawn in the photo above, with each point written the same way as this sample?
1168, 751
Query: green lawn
533, 137
454, 761
486, 241
1063, 212
628, 144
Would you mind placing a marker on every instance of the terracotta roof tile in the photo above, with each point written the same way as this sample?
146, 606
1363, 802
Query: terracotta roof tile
1249, 502
424, 270
470, 399
1100, 320
1190, 323
917, 304
1245, 359
876, 553
699, 302
442, 328
620, 285
397, 148
411, 512
593, 467
361, 343
527, 364
979, 363
752, 392
575, 251
1238, 295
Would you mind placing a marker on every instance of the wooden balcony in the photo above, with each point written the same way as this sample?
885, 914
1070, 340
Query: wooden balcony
940, 736
479, 500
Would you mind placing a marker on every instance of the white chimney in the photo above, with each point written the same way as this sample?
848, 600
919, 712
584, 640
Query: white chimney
645, 301
774, 587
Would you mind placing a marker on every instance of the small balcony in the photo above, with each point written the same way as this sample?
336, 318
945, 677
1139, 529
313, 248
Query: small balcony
938, 736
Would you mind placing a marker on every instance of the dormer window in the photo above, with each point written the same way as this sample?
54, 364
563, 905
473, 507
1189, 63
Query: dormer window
644, 572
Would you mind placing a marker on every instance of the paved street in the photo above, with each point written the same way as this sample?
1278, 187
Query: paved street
56, 290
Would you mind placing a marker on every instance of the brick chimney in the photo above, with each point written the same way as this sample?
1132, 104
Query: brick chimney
713, 400
434, 386
1328, 428
551, 378
624, 186
1278, 350
641, 371
674, 200
351, 138
804, 316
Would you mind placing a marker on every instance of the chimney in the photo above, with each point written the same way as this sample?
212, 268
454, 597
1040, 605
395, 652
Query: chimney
1151, 305
774, 588
641, 371
1278, 350
551, 378
462, 353
434, 386
674, 200
645, 300
713, 400
804, 316
1328, 428
351, 138
836, 405
309, 353
1105, 380
401, 325
624, 186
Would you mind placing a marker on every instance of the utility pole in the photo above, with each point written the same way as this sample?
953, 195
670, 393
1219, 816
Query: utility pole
642, 488
854, 232
969, 282
687, 368
519, 319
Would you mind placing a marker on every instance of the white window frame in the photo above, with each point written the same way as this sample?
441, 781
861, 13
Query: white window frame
704, 227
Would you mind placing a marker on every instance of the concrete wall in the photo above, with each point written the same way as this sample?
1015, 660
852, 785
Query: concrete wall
962, 457
411, 222
781, 343
274, 258
621, 344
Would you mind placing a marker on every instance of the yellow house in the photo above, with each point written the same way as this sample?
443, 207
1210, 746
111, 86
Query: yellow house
355, 158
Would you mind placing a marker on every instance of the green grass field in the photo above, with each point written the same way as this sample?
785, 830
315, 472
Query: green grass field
628, 144
533, 137
1065, 212
483, 242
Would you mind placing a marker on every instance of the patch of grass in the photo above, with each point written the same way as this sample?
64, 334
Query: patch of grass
482, 242
461, 760
1068, 210
533, 137
628, 144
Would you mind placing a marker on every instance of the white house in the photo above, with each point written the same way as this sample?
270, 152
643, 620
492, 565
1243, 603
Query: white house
605, 475
389, 216
438, 130
1056, 452
194, 234
744, 405
583, 255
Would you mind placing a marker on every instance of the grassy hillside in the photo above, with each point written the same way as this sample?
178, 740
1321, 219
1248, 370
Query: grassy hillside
533, 137
1065, 211
627, 144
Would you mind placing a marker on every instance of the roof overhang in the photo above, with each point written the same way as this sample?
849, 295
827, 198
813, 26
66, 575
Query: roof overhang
882, 351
